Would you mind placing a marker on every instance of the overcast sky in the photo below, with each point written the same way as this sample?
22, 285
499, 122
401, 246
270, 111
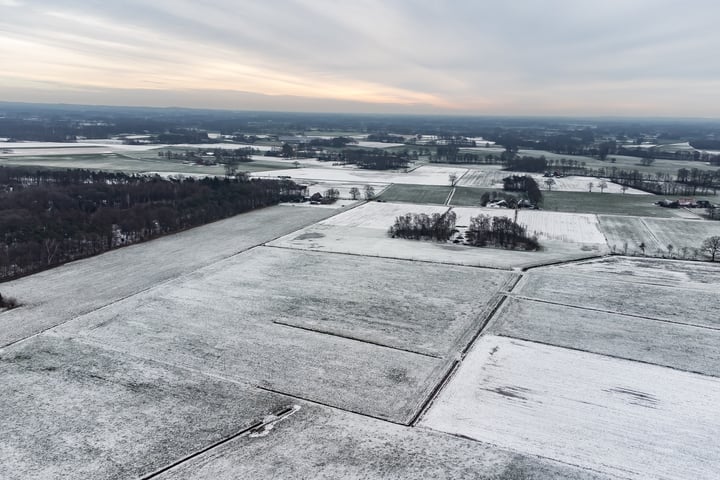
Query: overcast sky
536, 57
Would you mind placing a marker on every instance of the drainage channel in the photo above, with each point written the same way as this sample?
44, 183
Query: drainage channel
257, 429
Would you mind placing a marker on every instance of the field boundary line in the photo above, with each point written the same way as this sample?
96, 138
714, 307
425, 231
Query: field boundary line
162, 283
253, 427
326, 252
651, 233
434, 393
652, 319
327, 405
450, 196
695, 286
609, 355
507, 449
356, 339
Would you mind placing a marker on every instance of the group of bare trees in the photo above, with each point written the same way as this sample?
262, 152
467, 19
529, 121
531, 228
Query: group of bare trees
498, 231
420, 226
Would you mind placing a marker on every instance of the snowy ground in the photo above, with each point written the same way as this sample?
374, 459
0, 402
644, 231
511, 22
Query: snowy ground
488, 177
328, 444
57, 295
683, 347
363, 231
657, 234
609, 415
691, 306
425, 175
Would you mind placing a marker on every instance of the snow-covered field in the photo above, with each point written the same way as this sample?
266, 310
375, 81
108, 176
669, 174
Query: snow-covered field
88, 147
52, 297
657, 233
581, 184
239, 318
556, 226
691, 305
363, 231
425, 175
491, 178
616, 416
367, 144
683, 347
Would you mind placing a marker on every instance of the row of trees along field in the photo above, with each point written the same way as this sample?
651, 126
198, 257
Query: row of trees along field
51, 217
483, 230
371, 159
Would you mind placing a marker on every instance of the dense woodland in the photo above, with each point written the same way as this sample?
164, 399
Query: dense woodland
52, 217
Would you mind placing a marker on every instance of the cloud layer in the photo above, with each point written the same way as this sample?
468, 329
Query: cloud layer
646, 57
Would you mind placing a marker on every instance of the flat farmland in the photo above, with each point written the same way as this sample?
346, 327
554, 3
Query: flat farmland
322, 443
416, 194
363, 231
657, 233
683, 347
675, 273
424, 175
607, 293
648, 421
51, 297
331, 328
601, 203
71, 410
469, 196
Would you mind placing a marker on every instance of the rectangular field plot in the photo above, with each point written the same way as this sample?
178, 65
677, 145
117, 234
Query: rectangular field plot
613, 416
657, 233
358, 333
425, 175
604, 292
684, 347
675, 273
322, 443
363, 231
416, 194
600, 203
70, 410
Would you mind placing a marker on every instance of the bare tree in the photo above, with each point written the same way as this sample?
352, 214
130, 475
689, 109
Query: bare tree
453, 178
549, 182
711, 246
354, 193
602, 185
369, 192
590, 186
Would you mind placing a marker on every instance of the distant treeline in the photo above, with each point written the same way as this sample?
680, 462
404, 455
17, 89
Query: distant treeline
51, 217
524, 183
376, 159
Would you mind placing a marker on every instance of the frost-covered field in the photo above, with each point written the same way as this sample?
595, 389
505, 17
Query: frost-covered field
328, 444
492, 178
57, 295
684, 347
17, 149
73, 410
691, 275
681, 304
425, 175
335, 329
656, 233
367, 144
363, 231
616, 416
